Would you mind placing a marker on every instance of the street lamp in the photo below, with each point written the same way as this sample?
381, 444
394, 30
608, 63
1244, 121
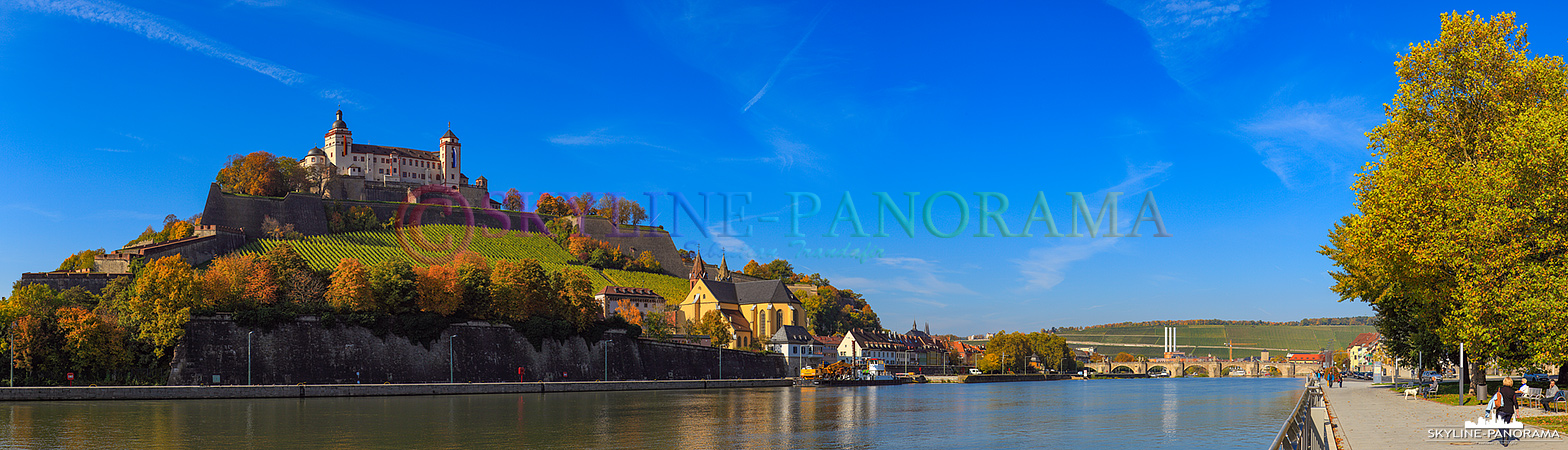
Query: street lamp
248, 350
451, 356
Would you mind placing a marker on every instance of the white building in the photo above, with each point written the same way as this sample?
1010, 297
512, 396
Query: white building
391, 164
797, 345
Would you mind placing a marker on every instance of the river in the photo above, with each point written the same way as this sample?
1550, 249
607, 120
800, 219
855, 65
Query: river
1139, 414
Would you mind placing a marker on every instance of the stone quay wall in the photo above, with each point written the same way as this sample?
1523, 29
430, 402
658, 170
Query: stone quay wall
308, 351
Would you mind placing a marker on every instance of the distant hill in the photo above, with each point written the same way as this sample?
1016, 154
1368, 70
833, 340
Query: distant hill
1201, 339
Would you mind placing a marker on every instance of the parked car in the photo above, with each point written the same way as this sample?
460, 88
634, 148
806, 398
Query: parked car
974, 371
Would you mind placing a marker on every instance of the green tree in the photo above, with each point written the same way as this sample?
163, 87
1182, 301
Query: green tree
713, 325
656, 325
1461, 232
393, 286
164, 294
82, 260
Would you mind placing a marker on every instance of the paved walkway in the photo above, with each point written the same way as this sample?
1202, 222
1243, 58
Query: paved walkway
1374, 418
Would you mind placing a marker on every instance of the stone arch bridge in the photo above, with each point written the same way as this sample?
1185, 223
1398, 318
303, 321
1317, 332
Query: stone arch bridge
1179, 367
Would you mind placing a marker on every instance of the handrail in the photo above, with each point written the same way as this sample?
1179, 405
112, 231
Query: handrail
1299, 432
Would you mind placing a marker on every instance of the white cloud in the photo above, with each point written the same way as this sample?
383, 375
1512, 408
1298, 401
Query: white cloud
1184, 32
923, 279
1311, 143
1046, 267
53, 215
1140, 178
599, 137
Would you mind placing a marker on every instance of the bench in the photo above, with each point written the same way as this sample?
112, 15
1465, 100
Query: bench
1528, 395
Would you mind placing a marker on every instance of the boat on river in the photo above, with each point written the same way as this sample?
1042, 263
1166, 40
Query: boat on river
866, 372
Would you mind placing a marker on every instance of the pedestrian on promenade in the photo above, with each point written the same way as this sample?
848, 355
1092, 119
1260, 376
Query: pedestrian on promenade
1341, 377
1507, 402
1551, 394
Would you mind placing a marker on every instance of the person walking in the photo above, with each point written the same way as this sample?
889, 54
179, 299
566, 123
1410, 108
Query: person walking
1508, 400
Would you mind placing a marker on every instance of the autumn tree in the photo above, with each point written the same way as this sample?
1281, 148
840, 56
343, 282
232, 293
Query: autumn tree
713, 325
576, 302
165, 292
350, 287
656, 325
1124, 357
1462, 228
260, 173
582, 204
513, 200
551, 205
241, 281
92, 341
751, 267
473, 282
437, 289
627, 310
80, 261
620, 211
562, 229
645, 262
520, 289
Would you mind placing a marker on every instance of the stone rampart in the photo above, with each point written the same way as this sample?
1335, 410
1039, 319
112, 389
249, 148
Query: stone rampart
308, 351
359, 390
59, 281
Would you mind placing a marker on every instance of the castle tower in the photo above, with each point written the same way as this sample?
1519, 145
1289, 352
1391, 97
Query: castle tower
451, 162
339, 143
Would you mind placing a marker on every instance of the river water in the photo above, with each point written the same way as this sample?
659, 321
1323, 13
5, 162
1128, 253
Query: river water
1140, 414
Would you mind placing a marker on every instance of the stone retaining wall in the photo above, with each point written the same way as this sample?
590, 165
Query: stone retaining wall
358, 390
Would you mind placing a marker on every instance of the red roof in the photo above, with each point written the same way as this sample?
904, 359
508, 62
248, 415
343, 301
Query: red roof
1306, 357
1365, 339
830, 341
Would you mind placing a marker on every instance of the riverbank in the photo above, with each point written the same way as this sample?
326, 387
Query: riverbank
16, 394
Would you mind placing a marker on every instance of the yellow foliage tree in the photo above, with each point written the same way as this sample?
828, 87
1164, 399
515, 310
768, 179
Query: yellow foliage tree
164, 294
350, 287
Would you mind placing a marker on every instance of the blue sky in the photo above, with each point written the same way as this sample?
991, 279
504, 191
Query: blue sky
1243, 117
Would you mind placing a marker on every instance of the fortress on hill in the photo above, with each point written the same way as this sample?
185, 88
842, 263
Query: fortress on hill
390, 174
384, 179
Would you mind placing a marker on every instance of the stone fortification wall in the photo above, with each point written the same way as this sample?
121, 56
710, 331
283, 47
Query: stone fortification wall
307, 351
634, 241
60, 281
304, 211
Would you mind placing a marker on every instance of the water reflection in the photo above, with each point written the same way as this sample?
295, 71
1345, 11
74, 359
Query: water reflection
1164, 413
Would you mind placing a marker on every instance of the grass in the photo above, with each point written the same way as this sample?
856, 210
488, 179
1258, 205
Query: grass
371, 247
1558, 422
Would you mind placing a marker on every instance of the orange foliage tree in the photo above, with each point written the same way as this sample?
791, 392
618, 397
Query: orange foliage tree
350, 287
437, 290
239, 281
261, 173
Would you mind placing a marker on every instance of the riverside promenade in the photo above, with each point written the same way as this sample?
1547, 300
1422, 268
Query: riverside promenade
1371, 417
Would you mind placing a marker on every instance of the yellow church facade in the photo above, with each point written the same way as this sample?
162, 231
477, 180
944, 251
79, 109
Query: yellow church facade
753, 310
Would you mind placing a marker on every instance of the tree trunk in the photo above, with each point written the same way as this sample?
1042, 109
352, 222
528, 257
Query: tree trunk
1478, 379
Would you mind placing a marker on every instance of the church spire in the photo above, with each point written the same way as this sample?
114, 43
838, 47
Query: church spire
724, 268
699, 269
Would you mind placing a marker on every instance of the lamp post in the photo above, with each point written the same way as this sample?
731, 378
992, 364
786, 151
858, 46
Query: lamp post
248, 351
451, 356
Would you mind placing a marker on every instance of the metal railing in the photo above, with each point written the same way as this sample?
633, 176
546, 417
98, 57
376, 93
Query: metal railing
1300, 431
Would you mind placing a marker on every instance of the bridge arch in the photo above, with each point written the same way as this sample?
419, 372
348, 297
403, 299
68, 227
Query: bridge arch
1157, 369
1226, 371
1122, 368
1195, 371
1271, 371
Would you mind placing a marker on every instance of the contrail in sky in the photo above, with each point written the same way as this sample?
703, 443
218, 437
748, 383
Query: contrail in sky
158, 28
809, 28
